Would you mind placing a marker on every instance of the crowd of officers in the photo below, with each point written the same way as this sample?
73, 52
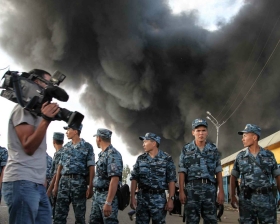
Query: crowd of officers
71, 178
75, 175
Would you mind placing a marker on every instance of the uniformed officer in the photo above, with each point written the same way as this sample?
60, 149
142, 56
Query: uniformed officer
58, 140
48, 171
199, 162
109, 169
3, 162
76, 164
154, 172
256, 167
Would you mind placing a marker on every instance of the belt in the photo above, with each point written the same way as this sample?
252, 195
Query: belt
73, 175
201, 181
262, 190
153, 191
102, 189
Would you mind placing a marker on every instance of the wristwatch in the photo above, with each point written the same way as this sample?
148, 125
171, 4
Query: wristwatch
108, 203
172, 198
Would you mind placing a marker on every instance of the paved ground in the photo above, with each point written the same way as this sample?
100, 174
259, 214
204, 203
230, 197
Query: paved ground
230, 216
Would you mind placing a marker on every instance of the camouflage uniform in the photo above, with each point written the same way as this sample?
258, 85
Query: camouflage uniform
200, 168
48, 171
154, 175
109, 164
75, 160
257, 173
57, 155
3, 162
55, 162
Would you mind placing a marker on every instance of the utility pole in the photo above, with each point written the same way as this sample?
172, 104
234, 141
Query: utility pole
216, 124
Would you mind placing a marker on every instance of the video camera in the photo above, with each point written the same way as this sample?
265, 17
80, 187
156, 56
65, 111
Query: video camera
21, 88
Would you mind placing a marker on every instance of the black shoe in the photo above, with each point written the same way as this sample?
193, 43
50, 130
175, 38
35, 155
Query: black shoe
219, 219
131, 218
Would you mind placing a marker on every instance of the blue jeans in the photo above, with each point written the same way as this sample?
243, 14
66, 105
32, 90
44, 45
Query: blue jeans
27, 201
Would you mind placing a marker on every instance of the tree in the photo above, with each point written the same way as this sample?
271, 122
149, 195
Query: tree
126, 172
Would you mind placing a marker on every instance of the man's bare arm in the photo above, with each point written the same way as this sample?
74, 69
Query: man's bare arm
29, 137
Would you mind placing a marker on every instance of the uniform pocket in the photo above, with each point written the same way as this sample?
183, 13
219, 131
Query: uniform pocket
245, 166
143, 169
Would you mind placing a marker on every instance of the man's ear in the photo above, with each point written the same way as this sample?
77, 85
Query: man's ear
255, 137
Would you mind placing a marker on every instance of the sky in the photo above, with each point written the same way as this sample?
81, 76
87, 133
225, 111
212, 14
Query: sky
209, 14
90, 126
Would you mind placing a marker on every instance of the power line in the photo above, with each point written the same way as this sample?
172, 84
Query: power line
252, 68
239, 80
5, 68
254, 81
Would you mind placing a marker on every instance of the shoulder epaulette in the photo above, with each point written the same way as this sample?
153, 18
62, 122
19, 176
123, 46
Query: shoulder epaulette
142, 156
212, 144
88, 144
168, 155
186, 145
241, 153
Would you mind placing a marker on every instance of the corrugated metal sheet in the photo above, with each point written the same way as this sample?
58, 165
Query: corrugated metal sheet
270, 140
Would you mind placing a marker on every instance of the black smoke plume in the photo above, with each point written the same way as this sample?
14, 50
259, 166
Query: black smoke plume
148, 70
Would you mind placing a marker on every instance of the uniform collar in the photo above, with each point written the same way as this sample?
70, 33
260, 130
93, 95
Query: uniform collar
206, 147
80, 143
159, 154
261, 152
106, 150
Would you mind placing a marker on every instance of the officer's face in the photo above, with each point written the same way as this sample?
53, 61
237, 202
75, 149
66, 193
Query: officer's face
70, 133
200, 133
148, 145
97, 141
248, 139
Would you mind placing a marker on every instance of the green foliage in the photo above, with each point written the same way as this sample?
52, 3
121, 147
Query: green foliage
126, 172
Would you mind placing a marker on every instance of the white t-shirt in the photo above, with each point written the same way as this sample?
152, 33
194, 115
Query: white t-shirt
21, 166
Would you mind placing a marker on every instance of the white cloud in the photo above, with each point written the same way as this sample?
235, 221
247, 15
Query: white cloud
210, 11
89, 125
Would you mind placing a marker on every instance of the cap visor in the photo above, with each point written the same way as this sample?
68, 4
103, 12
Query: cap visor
65, 128
142, 138
200, 125
241, 132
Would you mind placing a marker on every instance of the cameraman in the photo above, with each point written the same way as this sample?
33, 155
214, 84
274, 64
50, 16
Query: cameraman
23, 183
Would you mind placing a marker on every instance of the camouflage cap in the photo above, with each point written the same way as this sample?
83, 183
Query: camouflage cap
150, 136
102, 132
251, 128
58, 136
199, 122
74, 127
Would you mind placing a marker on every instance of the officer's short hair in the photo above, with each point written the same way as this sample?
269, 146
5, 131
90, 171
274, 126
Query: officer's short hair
105, 139
58, 142
157, 144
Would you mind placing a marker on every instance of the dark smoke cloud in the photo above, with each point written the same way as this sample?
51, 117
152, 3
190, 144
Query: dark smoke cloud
148, 70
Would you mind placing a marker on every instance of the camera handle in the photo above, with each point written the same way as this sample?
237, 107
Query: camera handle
17, 88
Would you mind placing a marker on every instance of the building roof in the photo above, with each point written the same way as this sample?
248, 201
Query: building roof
270, 140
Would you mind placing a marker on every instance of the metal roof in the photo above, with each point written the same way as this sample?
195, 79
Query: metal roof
270, 140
